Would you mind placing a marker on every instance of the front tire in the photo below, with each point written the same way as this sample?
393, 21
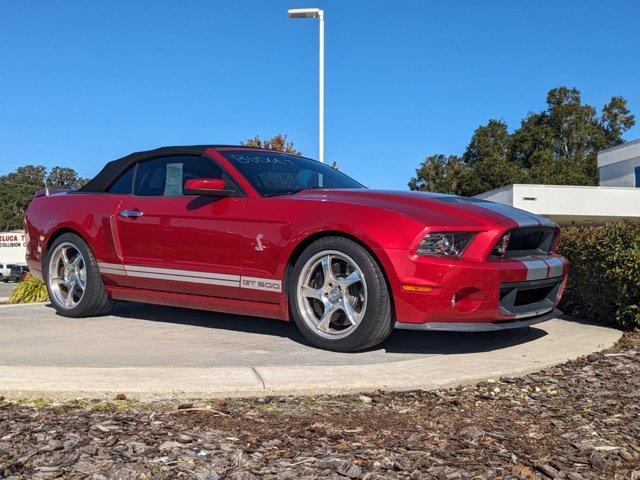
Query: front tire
73, 279
339, 296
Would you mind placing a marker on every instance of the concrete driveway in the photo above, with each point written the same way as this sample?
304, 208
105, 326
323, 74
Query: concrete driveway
154, 352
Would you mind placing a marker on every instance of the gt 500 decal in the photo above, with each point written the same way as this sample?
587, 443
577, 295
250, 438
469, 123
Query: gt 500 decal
261, 284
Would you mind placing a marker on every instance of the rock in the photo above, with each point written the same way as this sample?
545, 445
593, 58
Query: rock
365, 399
121, 396
185, 406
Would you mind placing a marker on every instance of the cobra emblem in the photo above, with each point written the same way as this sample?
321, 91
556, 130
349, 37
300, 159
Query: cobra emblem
259, 246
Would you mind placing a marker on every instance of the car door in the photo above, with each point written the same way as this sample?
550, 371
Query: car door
181, 243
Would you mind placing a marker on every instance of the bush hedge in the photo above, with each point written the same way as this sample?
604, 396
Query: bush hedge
604, 277
29, 290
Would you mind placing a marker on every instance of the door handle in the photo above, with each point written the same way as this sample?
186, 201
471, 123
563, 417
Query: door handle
130, 213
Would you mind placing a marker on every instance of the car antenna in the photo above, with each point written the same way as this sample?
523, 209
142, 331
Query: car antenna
46, 187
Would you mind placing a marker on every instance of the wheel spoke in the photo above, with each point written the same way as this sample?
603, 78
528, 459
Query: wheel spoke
309, 292
327, 273
64, 256
69, 300
325, 321
80, 279
353, 316
353, 277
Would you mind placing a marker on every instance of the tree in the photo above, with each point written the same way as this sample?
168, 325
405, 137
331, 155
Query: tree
278, 142
439, 173
487, 155
557, 145
64, 177
18, 188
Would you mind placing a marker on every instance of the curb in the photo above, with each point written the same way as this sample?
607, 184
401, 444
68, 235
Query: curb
5, 305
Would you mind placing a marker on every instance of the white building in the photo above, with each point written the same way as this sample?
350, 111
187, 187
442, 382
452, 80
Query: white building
13, 248
620, 166
617, 197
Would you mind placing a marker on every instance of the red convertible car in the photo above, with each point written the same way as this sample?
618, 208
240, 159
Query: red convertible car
264, 233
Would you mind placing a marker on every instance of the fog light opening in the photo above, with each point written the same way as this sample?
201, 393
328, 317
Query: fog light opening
467, 300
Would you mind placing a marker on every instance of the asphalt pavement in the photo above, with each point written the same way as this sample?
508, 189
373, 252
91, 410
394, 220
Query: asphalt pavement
6, 289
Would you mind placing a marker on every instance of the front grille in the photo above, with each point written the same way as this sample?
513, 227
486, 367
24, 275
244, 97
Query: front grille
520, 298
527, 241
526, 297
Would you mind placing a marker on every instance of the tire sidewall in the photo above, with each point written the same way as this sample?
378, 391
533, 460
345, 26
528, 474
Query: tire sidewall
377, 294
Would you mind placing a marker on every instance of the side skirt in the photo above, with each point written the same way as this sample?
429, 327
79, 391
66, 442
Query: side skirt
199, 302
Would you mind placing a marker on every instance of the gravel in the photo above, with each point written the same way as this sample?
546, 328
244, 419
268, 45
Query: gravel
579, 420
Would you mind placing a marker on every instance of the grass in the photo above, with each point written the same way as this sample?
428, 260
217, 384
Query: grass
28, 291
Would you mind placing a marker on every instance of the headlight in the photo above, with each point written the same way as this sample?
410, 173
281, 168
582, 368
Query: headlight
501, 247
444, 243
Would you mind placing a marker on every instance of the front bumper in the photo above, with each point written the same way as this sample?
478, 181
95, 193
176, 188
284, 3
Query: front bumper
492, 292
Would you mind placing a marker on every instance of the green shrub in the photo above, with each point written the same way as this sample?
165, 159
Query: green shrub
604, 277
29, 290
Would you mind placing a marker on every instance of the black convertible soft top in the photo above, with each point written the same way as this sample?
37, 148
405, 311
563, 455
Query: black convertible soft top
112, 170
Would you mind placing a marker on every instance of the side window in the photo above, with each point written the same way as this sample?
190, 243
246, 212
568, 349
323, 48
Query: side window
166, 176
123, 185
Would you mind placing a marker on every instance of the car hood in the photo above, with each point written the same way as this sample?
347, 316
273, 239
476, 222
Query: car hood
451, 211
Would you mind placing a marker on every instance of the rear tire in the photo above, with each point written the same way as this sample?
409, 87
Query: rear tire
339, 296
73, 279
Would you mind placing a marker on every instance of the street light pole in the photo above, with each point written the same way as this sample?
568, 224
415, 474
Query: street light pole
319, 14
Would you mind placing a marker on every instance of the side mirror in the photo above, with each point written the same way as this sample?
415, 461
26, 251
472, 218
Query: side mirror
212, 187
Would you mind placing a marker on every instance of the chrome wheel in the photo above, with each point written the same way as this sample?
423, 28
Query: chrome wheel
67, 275
331, 294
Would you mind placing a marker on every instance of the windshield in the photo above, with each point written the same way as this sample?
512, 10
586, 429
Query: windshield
275, 173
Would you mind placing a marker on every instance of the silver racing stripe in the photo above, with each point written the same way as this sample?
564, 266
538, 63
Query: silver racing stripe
556, 267
111, 268
539, 268
536, 269
184, 278
522, 218
191, 276
173, 271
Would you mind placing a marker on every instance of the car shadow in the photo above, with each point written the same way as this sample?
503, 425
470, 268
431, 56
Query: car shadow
400, 341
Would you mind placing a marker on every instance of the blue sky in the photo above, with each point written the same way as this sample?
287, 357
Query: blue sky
82, 83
